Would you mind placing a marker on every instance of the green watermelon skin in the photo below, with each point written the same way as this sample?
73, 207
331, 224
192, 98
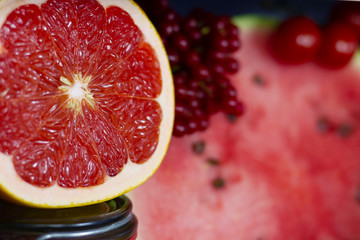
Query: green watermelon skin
282, 175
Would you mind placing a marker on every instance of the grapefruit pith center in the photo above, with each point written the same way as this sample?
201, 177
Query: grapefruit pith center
77, 91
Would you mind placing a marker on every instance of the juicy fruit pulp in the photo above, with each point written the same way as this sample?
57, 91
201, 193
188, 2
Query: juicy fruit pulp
288, 169
81, 98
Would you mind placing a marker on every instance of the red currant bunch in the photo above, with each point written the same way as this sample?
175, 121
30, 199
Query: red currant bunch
199, 48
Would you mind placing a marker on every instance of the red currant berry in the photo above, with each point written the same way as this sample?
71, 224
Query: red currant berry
173, 56
180, 128
180, 42
181, 110
223, 82
231, 65
216, 56
191, 58
234, 44
165, 29
237, 110
203, 123
296, 40
170, 15
194, 36
179, 79
220, 43
192, 126
338, 47
229, 92
200, 72
221, 23
190, 93
189, 24
194, 103
217, 68
181, 92
229, 104
232, 30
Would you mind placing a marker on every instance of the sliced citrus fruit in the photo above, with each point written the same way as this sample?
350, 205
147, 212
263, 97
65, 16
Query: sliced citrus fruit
86, 100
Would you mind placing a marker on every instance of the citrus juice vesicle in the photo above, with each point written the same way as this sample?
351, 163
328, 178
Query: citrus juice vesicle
86, 100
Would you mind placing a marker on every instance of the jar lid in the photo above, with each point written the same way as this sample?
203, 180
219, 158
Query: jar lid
110, 218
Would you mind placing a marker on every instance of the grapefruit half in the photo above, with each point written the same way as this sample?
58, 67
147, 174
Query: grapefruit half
86, 100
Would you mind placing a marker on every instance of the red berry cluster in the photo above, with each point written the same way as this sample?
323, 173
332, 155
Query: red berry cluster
300, 40
199, 47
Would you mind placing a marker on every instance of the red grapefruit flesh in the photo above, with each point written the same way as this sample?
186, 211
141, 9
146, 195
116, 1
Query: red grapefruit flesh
86, 100
288, 169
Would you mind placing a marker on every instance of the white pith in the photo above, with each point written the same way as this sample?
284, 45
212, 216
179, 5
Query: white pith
77, 91
133, 174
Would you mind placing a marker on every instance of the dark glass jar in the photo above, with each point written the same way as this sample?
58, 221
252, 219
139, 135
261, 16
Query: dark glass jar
108, 220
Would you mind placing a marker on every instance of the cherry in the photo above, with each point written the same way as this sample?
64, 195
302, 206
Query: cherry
338, 47
296, 40
347, 12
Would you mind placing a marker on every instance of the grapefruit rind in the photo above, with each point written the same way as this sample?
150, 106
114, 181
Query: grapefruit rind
14, 189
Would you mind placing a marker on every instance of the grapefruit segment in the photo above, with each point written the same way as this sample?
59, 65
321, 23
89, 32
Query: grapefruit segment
140, 74
81, 163
138, 121
30, 112
25, 41
111, 147
86, 100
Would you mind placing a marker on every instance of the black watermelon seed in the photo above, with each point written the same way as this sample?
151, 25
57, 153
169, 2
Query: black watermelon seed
258, 80
232, 118
198, 147
324, 125
344, 130
357, 195
213, 161
218, 183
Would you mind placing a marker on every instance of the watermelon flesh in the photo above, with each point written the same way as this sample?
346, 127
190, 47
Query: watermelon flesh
288, 169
